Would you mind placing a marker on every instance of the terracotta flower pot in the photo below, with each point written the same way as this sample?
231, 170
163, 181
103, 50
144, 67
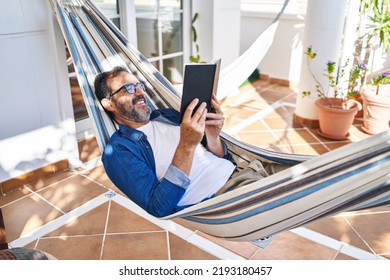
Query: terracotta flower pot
336, 120
376, 109
358, 98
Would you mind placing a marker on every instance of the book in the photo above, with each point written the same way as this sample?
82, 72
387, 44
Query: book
200, 81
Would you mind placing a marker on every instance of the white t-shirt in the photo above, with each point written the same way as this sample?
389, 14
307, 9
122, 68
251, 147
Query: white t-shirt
208, 173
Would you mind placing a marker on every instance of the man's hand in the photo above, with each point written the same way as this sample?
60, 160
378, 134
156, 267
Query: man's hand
214, 125
192, 130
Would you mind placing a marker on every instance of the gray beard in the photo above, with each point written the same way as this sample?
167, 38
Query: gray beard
132, 113
135, 114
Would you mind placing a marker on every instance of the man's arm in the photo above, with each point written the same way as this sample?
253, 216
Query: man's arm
130, 169
214, 125
191, 133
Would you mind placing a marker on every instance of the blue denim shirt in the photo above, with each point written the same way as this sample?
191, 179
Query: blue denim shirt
129, 162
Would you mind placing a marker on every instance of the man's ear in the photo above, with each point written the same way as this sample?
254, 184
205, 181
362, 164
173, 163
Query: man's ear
106, 103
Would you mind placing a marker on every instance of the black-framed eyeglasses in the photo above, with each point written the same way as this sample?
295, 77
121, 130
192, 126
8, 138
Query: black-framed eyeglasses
130, 88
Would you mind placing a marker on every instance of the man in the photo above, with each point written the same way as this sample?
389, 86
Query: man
161, 166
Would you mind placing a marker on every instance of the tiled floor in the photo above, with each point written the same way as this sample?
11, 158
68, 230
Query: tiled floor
80, 214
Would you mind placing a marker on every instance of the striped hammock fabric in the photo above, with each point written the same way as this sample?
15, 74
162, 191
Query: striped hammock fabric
353, 177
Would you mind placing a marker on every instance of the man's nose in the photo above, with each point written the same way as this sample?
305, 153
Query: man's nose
139, 91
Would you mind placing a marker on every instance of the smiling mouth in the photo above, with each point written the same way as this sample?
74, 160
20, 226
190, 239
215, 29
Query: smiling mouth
139, 101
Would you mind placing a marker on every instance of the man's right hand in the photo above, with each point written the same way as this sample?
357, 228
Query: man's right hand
191, 133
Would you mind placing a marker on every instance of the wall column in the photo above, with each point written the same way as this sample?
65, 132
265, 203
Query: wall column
218, 28
323, 32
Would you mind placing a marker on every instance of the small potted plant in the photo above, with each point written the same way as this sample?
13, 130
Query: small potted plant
336, 112
355, 82
376, 104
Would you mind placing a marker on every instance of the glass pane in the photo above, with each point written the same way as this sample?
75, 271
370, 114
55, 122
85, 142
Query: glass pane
117, 22
142, 6
154, 5
173, 69
147, 35
108, 7
156, 64
170, 3
172, 35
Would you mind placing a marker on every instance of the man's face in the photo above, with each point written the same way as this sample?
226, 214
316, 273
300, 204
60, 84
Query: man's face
131, 107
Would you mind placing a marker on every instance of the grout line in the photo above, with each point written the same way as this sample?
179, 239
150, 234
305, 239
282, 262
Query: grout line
105, 229
318, 139
351, 214
358, 234
168, 245
255, 117
31, 192
48, 202
272, 132
336, 244
91, 164
58, 222
170, 226
180, 231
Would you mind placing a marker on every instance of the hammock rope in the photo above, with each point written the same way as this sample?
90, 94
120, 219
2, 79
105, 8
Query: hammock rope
353, 177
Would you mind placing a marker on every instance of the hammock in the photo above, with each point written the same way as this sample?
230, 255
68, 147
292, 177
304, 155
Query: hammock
236, 73
350, 178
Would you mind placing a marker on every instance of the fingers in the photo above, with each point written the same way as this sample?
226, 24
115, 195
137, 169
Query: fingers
199, 115
215, 122
215, 105
193, 125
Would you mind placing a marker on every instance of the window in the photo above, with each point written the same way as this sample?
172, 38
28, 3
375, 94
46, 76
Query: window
111, 9
160, 35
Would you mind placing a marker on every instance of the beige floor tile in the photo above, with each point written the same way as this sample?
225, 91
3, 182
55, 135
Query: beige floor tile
91, 223
306, 149
50, 180
257, 126
72, 247
339, 229
183, 250
136, 246
236, 114
27, 214
335, 145
88, 149
274, 93
99, 175
257, 103
288, 246
343, 257
72, 192
260, 138
295, 136
278, 123
243, 249
374, 229
13, 196
123, 220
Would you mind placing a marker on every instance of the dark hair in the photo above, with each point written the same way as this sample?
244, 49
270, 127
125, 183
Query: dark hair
102, 89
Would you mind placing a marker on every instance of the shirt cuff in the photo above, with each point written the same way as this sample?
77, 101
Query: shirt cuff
177, 177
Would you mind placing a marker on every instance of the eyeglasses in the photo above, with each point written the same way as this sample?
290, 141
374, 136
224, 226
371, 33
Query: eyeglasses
130, 88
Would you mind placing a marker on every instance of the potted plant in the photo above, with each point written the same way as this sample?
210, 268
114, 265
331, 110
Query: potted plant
376, 104
336, 112
374, 32
356, 79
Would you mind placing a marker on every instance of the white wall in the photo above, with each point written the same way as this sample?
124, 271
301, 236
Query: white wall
283, 59
36, 119
218, 29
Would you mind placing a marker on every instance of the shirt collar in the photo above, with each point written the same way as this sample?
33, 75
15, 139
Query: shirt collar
129, 132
